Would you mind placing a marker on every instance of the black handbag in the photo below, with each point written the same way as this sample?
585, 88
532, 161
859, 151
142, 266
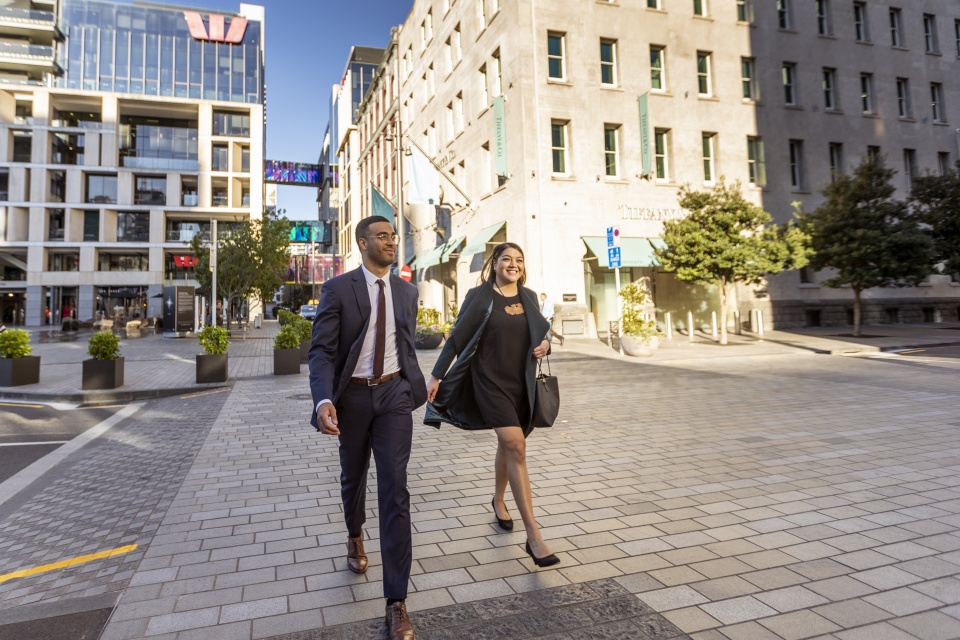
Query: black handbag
546, 400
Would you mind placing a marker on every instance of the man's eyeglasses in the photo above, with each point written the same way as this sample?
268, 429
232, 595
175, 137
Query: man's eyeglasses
383, 237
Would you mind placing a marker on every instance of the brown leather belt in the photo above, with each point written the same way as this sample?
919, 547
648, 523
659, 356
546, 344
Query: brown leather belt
372, 382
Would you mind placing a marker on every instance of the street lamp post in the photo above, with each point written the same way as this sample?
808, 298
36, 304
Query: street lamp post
213, 272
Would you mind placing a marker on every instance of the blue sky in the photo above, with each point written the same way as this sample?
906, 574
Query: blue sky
307, 44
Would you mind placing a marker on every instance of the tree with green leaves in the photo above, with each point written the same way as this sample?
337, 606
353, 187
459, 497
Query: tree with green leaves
727, 239
252, 258
868, 238
936, 201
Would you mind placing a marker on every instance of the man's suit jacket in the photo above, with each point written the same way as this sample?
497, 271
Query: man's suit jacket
340, 326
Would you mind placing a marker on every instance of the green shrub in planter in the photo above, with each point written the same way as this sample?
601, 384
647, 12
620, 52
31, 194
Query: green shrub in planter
288, 338
15, 343
287, 317
214, 340
104, 346
304, 329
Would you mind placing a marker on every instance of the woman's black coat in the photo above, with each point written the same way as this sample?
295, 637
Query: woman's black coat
456, 403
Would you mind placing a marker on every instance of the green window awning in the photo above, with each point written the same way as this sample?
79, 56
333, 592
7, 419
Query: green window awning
479, 242
634, 252
436, 255
451, 246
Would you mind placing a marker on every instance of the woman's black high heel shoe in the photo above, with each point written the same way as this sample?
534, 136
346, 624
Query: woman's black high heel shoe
546, 561
506, 525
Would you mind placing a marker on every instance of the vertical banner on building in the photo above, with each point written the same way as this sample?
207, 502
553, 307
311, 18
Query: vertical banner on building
645, 155
499, 137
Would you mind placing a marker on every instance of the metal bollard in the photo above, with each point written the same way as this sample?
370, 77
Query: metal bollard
713, 324
759, 322
690, 324
736, 319
668, 325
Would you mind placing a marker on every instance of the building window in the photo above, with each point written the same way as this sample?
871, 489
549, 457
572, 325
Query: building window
189, 195
218, 193
699, 7
555, 50
220, 158
661, 150
861, 28
796, 164
830, 89
482, 91
431, 85
747, 75
150, 190
909, 167
824, 27
164, 143
558, 146
494, 7
458, 113
133, 227
956, 35
486, 168
497, 74
744, 11
55, 224
896, 28
226, 123
58, 186
784, 19
936, 101
101, 189
930, 33
756, 167
91, 226
611, 150
448, 124
704, 82
4, 185
456, 44
429, 25
709, 169
658, 68
245, 159
22, 146
789, 76
836, 160
943, 163
67, 148
654, 4
482, 13
608, 62
904, 109
122, 262
874, 153
866, 92
63, 262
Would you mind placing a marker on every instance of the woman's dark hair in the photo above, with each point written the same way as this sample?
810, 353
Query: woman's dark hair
489, 270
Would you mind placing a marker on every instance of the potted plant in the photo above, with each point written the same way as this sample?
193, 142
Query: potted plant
286, 352
212, 365
286, 317
305, 331
638, 336
104, 370
17, 366
429, 334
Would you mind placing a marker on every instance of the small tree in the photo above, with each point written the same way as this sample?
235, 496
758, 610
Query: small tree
864, 235
726, 239
936, 201
251, 258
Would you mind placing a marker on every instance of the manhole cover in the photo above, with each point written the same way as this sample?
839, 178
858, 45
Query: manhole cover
301, 396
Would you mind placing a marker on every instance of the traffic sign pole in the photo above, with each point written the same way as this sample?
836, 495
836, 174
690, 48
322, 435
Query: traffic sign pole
614, 259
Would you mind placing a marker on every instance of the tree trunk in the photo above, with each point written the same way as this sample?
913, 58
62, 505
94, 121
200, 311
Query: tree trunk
856, 313
227, 304
723, 313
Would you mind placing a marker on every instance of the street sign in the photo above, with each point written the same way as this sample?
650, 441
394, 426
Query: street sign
613, 257
613, 236
405, 273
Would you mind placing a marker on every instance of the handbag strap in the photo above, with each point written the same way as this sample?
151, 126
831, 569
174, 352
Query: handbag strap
540, 366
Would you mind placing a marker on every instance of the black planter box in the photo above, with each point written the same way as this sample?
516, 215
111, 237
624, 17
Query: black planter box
305, 352
286, 362
102, 374
19, 371
211, 367
431, 341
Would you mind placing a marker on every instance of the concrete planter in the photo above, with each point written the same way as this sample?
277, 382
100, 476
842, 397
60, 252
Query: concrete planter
638, 347
212, 367
286, 362
304, 352
15, 372
431, 341
102, 374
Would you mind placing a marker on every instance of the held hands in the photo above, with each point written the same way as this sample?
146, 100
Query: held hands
541, 350
432, 386
327, 419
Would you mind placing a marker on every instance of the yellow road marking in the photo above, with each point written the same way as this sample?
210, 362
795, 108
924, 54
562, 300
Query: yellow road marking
72, 562
206, 393
912, 351
25, 406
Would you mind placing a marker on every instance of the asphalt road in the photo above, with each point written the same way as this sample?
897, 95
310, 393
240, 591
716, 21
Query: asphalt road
30, 431
933, 352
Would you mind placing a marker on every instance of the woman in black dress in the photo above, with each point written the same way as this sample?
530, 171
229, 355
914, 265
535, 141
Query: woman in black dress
499, 336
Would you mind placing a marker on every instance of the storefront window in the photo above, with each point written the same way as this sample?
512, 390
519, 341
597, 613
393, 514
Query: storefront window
123, 262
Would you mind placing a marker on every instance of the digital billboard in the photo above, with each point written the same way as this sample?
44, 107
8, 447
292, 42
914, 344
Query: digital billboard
313, 269
307, 231
283, 172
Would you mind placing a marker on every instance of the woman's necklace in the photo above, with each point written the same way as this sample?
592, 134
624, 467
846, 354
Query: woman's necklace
514, 309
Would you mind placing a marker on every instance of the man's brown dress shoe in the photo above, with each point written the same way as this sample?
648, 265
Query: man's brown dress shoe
398, 622
356, 558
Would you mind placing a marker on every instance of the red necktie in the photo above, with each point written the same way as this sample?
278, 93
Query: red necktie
380, 342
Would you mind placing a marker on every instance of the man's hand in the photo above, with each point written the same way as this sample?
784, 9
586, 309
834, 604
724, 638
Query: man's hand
541, 350
327, 419
432, 385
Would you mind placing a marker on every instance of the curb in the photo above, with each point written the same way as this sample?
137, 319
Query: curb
98, 398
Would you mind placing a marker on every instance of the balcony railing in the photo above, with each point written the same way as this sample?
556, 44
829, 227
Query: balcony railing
27, 51
185, 235
11, 14
144, 160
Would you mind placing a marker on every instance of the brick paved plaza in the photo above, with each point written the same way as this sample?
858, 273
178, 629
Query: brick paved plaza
788, 495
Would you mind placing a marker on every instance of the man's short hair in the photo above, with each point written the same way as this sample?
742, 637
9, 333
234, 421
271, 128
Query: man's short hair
364, 224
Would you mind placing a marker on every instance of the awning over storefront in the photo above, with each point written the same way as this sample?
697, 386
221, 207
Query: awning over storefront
479, 242
634, 252
438, 254
451, 246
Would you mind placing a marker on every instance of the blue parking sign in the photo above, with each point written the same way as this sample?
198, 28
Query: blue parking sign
613, 257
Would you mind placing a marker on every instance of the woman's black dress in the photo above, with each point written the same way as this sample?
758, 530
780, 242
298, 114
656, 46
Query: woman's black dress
499, 365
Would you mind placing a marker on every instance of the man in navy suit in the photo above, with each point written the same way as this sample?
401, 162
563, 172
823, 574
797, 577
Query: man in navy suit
366, 382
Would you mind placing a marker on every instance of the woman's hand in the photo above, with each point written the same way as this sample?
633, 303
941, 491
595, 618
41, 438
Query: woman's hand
541, 350
432, 386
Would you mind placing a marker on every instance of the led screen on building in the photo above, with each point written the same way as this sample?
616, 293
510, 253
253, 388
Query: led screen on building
313, 269
303, 231
283, 172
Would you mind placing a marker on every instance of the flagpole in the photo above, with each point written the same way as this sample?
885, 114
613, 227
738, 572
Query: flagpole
398, 149
441, 172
